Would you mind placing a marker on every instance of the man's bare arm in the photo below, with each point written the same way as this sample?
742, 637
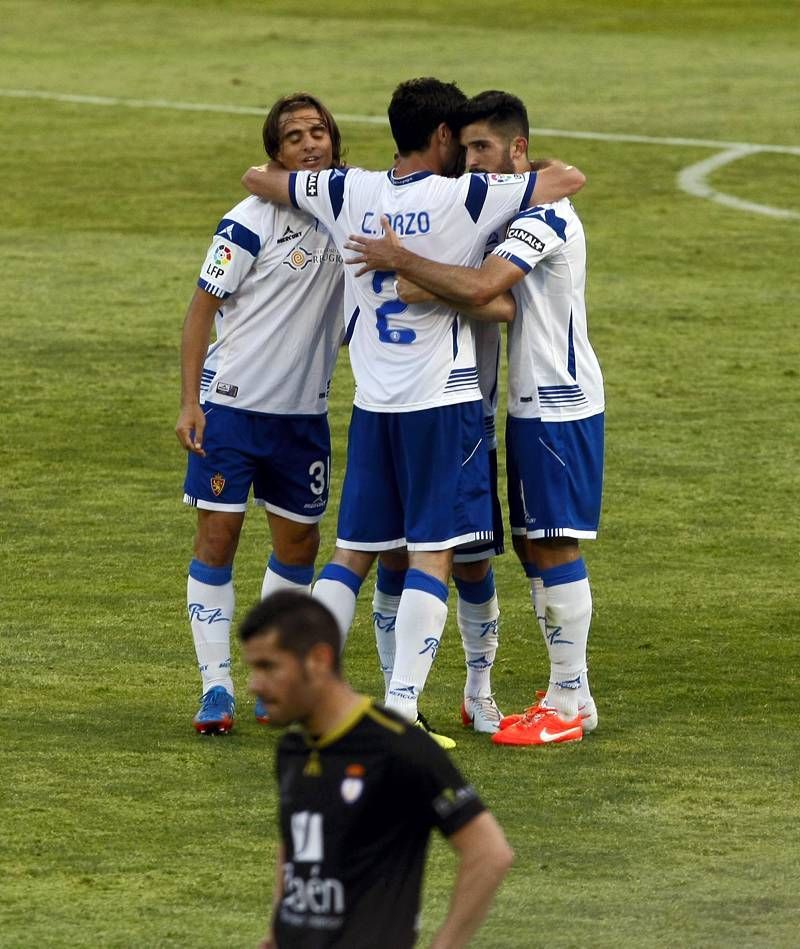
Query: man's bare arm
502, 309
556, 181
194, 346
484, 859
270, 181
465, 286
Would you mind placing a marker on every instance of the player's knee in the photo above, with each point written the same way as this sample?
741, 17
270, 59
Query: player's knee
216, 539
395, 559
520, 548
298, 546
474, 572
553, 552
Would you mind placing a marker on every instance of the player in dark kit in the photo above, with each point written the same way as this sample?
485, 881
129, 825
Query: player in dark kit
360, 791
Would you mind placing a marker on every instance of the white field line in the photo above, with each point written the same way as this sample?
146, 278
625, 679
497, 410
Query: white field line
691, 179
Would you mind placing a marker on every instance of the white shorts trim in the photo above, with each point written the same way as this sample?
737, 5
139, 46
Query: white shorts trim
289, 515
474, 556
554, 532
377, 545
452, 542
214, 505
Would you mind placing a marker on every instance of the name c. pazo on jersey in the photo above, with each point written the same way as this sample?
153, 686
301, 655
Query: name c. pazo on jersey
405, 224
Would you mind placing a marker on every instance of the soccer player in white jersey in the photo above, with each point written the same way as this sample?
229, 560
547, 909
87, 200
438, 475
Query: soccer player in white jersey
417, 467
477, 607
254, 405
554, 434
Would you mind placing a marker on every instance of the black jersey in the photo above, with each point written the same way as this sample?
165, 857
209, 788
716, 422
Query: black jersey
356, 810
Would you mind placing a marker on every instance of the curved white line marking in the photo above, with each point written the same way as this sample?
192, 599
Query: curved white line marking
693, 181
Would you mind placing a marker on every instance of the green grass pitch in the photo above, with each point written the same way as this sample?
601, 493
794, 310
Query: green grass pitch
676, 823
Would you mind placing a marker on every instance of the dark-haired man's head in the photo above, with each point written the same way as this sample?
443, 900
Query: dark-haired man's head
421, 109
493, 129
291, 643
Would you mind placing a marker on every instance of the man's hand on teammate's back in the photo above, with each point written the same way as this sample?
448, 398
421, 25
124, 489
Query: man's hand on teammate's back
380, 253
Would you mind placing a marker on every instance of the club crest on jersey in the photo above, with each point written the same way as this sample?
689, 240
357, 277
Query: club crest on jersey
298, 259
217, 484
353, 784
494, 179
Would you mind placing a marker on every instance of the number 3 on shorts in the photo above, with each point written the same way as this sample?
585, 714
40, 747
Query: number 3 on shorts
390, 308
317, 472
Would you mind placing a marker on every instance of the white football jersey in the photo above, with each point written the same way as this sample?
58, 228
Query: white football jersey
280, 324
487, 352
553, 373
410, 357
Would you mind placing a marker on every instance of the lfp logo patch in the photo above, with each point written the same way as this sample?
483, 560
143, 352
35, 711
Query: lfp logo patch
222, 255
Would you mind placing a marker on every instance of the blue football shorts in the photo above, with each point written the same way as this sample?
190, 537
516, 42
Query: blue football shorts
285, 458
416, 479
483, 549
555, 476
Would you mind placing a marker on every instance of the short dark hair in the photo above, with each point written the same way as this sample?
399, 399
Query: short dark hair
300, 621
418, 108
501, 110
291, 103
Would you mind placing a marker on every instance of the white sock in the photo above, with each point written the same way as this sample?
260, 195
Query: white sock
384, 617
210, 601
537, 596
385, 603
337, 587
478, 614
568, 616
282, 576
418, 632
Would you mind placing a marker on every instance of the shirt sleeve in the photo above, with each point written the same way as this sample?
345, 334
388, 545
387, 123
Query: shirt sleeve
532, 236
233, 251
495, 199
447, 800
320, 193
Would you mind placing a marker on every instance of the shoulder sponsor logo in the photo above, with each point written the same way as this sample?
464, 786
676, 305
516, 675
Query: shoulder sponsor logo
451, 799
520, 234
227, 232
222, 255
504, 179
312, 184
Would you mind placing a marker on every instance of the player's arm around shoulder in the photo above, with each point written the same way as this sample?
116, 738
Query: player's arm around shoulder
556, 181
484, 858
270, 181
